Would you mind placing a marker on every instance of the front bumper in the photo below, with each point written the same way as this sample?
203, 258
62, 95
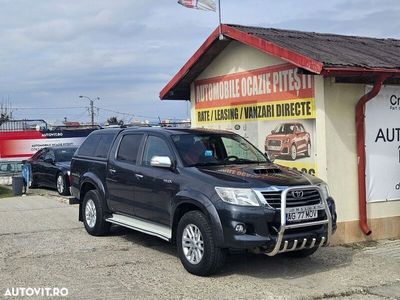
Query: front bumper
267, 229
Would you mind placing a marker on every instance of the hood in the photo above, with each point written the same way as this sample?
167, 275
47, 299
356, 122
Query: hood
259, 175
64, 164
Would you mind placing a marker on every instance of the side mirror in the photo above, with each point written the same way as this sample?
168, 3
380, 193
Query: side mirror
161, 162
49, 160
272, 131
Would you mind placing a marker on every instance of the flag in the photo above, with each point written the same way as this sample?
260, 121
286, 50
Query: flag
199, 4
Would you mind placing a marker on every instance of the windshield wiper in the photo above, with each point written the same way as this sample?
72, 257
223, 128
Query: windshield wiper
238, 160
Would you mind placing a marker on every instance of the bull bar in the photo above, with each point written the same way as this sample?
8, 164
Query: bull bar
283, 226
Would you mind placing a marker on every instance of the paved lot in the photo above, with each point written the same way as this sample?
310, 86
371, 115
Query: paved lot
43, 245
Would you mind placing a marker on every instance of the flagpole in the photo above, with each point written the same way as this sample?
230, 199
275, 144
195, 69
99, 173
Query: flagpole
221, 36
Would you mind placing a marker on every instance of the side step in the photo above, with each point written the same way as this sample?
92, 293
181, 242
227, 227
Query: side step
147, 227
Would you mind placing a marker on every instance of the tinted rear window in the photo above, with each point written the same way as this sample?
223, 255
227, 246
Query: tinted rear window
89, 146
97, 145
104, 145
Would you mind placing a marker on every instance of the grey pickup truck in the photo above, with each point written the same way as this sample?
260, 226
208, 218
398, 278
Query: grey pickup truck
206, 191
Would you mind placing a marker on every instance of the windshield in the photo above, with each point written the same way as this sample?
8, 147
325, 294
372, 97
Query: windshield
216, 149
284, 128
64, 154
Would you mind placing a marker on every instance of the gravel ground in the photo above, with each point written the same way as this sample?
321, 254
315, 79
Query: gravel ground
42, 244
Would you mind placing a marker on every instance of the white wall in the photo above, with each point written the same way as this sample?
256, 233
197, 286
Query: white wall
340, 103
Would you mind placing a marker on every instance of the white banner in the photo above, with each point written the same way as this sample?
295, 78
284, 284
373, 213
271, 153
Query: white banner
382, 145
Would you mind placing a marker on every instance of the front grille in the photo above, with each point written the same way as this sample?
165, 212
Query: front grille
275, 143
309, 197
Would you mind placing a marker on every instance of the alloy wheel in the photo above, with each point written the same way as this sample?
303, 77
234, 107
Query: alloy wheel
90, 213
60, 184
193, 244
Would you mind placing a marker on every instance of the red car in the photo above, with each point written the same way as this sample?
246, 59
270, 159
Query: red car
288, 139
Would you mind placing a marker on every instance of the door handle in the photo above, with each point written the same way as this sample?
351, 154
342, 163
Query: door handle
112, 171
139, 176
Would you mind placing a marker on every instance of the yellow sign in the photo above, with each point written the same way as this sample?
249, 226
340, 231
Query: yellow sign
272, 110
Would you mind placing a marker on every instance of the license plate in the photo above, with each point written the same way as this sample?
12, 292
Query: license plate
274, 148
301, 213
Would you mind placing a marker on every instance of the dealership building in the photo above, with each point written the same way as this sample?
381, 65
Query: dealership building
325, 104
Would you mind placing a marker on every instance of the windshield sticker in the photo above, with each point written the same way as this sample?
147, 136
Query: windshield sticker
208, 153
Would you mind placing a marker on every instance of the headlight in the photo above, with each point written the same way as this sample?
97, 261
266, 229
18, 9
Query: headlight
286, 141
325, 190
245, 197
68, 173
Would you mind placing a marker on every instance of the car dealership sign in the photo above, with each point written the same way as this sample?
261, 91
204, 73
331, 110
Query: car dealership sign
382, 139
273, 107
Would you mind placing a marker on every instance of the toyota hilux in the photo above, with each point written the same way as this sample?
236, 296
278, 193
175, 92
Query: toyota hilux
207, 191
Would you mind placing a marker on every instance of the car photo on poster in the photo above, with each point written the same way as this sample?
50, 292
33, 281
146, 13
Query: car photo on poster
288, 141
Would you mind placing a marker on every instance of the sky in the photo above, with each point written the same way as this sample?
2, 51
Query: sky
126, 51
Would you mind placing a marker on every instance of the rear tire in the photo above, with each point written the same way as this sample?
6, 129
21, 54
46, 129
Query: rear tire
302, 253
196, 245
93, 214
61, 184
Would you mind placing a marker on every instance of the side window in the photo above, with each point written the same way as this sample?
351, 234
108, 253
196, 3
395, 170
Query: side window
89, 145
155, 146
50, 154
129, 147
104, 145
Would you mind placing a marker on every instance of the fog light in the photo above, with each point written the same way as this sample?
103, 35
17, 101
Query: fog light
240, 228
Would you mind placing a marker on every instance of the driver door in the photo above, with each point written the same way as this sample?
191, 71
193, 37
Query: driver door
155, 187
49, 170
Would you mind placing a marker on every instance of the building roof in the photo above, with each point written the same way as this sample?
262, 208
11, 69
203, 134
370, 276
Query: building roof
313, 53
333, 50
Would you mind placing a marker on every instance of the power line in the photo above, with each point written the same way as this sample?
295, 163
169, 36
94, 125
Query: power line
68, 107
126, 114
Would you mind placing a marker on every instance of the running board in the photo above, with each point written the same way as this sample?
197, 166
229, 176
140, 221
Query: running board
151, 228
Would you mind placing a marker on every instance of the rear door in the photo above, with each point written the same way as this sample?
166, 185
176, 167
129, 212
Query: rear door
155, 187
121, 173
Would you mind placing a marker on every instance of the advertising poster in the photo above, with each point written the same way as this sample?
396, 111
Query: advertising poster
19, 145
382, 145
273, 107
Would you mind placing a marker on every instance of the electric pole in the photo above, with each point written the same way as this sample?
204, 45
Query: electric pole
91, 108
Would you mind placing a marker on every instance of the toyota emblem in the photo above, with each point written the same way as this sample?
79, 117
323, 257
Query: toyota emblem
297, 194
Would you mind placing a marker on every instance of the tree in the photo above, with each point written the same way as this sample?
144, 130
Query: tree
114, 121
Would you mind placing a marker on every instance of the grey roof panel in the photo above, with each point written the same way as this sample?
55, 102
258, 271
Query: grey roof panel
333, 50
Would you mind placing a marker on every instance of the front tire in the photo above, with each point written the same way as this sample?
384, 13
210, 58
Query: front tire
196, 245
93, 214
293, 152
308, 152
61, 184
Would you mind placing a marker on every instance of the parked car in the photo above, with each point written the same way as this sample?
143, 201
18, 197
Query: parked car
288, 139
208, 191
51, 168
